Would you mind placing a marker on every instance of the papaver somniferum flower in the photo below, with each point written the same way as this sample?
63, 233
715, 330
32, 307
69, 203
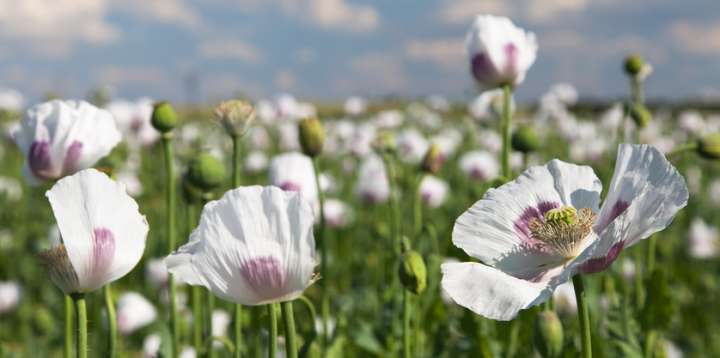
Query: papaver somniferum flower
134, 312
253, 246
59, 138
536, 232
294, 172
500, 53
102, 232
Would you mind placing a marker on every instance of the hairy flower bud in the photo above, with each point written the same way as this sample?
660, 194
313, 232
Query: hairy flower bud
525, 140
549, 334
236, 116
312, 136
433, 160
206, 172
709, 146
412, 272
640, 115
164, 118
633, 65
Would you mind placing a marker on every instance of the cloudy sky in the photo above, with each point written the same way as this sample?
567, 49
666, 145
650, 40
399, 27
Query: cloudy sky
328, 49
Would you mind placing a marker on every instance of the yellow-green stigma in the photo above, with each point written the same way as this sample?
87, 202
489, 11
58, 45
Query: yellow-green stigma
563, 229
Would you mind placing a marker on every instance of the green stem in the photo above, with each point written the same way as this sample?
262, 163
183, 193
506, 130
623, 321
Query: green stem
210, 307
505, 129
583, 316
238, 308
197, 317
417, 207
112, 321
256, 338
289, 321
68, 326
650, 343
639, 288
82, 339
406, 333
393, 202
325, 300
170, 229
651, 254
272, 342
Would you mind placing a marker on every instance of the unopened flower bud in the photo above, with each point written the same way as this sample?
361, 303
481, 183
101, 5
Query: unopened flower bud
206, 172
709, 146
433, 160
312, 136
525, 140
164, 118
236, 116
385, 143
640, 115
633, 65
412, 272
549, 334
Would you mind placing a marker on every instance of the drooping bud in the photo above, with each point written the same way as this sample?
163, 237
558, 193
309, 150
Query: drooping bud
236, 116
640, 115
634, 64
709, 146
412, 272
549, 335
566, 214
525, 140
164, 118
433, 160
312, 136
385, 143
206, 172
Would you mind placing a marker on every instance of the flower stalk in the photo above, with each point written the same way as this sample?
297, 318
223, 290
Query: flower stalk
289, 323
68, 348
82, 339
170, 204
272, 342
112, 321
238, 312
505, 130
325, 300
583, 316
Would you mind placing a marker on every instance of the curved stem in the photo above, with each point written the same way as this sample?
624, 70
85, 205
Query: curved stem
406, 333
272, 342
170, 209
237, 326
505, 129
197, 317
112, 321
68, 326
650, 343
236, 161
325, 300
81, 311
417, 207
289, 321
210, 307
583, 316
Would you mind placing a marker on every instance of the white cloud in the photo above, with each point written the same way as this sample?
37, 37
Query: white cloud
164, 11
446, 53
462, 11
375, 72
536, 11
51, 26
231, 49
701, 39
120, 75
338, 14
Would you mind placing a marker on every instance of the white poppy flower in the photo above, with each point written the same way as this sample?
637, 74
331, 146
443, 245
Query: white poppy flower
372, 185
479, 165
487, 105
103, 233
10, 188
134, 312
411, 146
448, 141
337, 213
151, 345
220, 322
433, 191
539, 230
132, 182
703, 240
133, 120
294, 172
253, 246
59, 138
564, 298
499, 52
355, 106
256, 161
10, 294
156, 272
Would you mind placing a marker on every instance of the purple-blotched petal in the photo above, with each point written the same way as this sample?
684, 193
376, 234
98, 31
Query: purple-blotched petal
482, 67
39, 159
265, 275
511, 58
522, 224
72, 157
103, 251
618, 208
289, 186
598, 264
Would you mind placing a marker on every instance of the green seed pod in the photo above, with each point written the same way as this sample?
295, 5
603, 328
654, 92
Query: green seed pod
433, 160
525, 140
633, 65
164, 118
312, 136
236, 116
709, 146
640, 115
206, 172
413, 274
549, 336
567, 214
191, 193
385, 143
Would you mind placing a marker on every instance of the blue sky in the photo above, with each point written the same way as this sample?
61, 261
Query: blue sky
329, 49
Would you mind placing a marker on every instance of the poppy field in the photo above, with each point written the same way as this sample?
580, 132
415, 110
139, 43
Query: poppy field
421, 227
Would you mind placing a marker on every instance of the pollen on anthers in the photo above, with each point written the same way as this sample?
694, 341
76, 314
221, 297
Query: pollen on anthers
563, 229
